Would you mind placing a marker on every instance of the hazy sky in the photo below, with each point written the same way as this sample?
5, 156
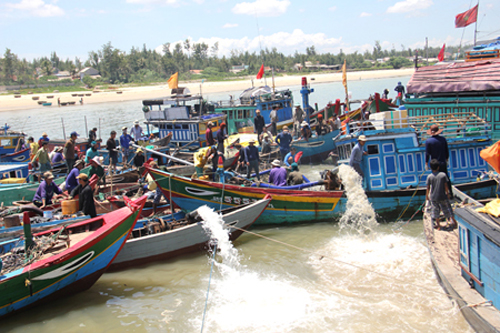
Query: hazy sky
34, 28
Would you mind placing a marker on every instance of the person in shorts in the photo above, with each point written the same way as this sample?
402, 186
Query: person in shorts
438, 195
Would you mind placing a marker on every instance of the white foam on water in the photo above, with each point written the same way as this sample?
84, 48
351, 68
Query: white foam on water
359, 215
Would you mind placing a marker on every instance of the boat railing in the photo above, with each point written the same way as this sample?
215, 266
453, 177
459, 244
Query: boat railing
481, 55
459, 125
230, 103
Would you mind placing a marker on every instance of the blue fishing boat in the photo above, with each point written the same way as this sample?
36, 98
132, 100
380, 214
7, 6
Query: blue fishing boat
13, 170
11, 145
182, 117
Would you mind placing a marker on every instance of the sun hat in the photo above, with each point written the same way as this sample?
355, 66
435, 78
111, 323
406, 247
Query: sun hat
304, 123
124, 128
58, 148
210, 124
139, 150
362, 138
44, 134
295, 166
297, 104
276, 163
136, 122
97, 160
83, 176
251, 141
434, 130
48, 175
77, 163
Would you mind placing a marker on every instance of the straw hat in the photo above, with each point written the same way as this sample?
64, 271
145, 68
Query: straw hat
124, 128
48, 175
136, 122
362, 138
139, 150
276, 163
434, 130
77, 163
97, 160
251, 141
83, 176
304, 124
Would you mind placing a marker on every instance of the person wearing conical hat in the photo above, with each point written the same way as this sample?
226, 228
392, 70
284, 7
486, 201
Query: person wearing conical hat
357, 153
277, 176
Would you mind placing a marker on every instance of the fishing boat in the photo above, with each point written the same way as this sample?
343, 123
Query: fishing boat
22, 155
241, 112
10, 193
184, 117
10, 142
466, 262
472, 86
147, 211
286, 206
88, 248
13, 170
181, 236
47, 104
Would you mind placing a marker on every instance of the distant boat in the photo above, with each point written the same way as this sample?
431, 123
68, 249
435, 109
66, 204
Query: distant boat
88, 94
35, 98
64, 103
50, 96
41, 102
47, 104
72, 103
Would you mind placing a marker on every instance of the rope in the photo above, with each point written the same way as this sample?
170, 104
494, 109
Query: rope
208, 289
321, 256
414, 193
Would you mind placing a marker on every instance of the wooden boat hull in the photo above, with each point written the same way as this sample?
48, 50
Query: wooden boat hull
316, 149
187, 239
287, 206
11, 193
20, 156
75, 269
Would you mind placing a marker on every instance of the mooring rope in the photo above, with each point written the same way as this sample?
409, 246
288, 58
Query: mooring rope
208, 289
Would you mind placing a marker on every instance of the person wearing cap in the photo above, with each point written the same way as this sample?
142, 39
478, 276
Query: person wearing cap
46, 190
436, 147
86, 203
71, 180
69, 150
305, 131
209, 135
125, 139
290, 157
273, 116
139, 158
57, 155
284, 139
277, 176
298, 118
91, 152
43, 158
92, 137
295, 177
252, 159
221, 136
136, 131
96, 168
258, 123
111, 147
357, 155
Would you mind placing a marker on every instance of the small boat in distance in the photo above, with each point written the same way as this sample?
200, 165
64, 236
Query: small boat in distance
47, 104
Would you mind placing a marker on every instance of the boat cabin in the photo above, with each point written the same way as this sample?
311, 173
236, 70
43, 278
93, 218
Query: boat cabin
13, 170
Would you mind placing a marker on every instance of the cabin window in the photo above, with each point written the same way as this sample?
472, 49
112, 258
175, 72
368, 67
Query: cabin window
480, 112
19, 174
374, 164
432, 111
376, 183
170, 126
447, 110
440, 111
390, 165
480, 159
472, 158
240, 114
230, 115
391, 181
453, 160
5, 143
464, 247
411, 166
264, 106
388, 148
372, 149
402, 164
185, 126
497, 114
408, 179
420, 167
463, 159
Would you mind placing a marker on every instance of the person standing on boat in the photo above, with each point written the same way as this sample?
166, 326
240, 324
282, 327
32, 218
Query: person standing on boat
436, 147
400, 89
44, 137
69, 150
357, 155
72, 179
385, 94
96, 168
136, 131
92, 137
111, 147
305, 131
290, 155
85, 194
252, 159
46, 190
438, 194
259, 123
200, 159
284, 139
273, 116
298, 118
42, 156
209, 135
33, 147
125, 139
322, 127
139, 158
91, 152
221, 136
277, 176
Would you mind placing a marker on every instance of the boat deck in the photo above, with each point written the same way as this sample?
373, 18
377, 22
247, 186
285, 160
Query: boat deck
444, 250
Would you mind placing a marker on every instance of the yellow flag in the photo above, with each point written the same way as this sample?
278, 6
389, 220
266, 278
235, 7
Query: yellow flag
173, 82
344, 75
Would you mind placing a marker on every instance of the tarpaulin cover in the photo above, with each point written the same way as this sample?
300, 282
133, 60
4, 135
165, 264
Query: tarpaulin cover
456, 77
492, 156
492, 208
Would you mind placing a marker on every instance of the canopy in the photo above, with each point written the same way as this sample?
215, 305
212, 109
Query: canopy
492, 156
456, 77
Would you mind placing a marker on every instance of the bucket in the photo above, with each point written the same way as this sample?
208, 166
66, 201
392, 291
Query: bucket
11, 221
69, 206
47, 214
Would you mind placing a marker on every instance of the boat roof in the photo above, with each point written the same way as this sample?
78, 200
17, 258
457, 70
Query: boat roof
456, 77
12, 166
195, 119
172, 100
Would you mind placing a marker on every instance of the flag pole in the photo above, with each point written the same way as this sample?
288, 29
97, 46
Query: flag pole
475, 25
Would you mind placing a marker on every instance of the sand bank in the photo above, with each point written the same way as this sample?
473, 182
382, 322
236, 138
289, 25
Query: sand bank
10, 103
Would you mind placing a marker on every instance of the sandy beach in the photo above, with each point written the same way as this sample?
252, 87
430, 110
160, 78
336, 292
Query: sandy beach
10, 103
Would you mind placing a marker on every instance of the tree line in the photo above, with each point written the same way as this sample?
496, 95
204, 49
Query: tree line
146, 66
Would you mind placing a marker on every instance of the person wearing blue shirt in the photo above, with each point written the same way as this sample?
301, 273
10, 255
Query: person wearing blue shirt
284, 139
125, 139
292, 155
252, 159
91, 152
46, 191
71, 180
277, 176
357, 155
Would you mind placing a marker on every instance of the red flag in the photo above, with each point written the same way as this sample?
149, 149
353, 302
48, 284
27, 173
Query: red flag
261, 72
466, 18
441, 53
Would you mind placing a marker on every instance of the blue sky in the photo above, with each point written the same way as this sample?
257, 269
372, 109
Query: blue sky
34, 28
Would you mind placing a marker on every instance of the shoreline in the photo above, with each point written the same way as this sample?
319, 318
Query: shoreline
25, 102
